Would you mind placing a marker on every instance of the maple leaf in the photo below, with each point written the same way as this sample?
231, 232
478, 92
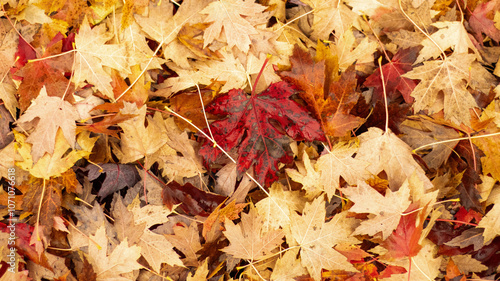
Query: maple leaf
187, 240
44, 197
237, 17
186, 162
349, 52
247, 239
325, 176
338, 162
386, 209
330, 101
491, 223
317, 238
155, 248
330, 16
52, 113
8, 96
138, 141
386, 152
449, 76
403, 242
201, 273
489, 146
420, 132
231, 212
449, 35
118, 176
288, 266
49, 165
111, 264
93, 53
229, 70
277, 208
247, 125
480, 22
393, 80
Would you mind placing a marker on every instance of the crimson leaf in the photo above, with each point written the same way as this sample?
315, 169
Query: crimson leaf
247, 125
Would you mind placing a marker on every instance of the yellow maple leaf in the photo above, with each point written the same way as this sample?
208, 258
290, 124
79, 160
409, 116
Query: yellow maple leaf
92, 53
451, 76
52, 113
247, 240
386, 210
109, 264
51, 165
317, 238
238, 19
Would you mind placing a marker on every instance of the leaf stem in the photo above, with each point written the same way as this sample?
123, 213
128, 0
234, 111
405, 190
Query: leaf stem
260, 73
385, 95
452, 140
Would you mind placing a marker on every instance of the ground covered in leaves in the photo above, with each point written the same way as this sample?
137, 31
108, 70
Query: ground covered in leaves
250, 140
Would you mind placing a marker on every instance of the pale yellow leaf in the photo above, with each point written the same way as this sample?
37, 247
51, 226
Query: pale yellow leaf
201, 272
236, 17
278, 206
156, 249
491, 223
387, 210
52, 113
107, 264
386, 152
317, 238
92, 53
450, 76
288, 267
247, 240
138, 141
449, 35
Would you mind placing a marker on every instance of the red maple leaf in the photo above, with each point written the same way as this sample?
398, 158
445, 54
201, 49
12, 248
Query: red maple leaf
49, 73
403, 241
248, 126
399, 65
481, 21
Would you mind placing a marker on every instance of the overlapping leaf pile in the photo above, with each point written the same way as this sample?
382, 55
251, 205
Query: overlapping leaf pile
255, 140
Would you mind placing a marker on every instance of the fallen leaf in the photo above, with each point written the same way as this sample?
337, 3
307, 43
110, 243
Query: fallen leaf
317, 238
233, 16
52, 113
247, 240
118, 176
386, 210
386, 152
110, 264
247, 125
449, 76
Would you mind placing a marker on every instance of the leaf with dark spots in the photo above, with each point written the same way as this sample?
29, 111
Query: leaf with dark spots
395, 85
193, 201
248, 126
118, 176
